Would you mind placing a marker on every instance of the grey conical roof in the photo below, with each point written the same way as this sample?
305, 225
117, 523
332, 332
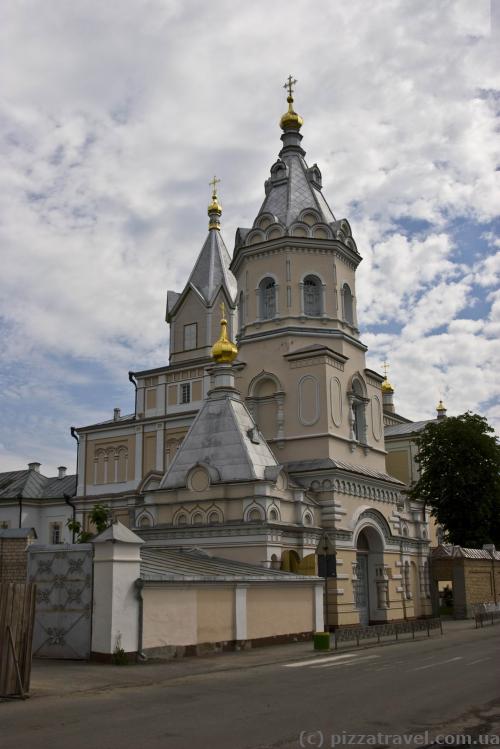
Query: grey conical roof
224, 438
211, 270
295, 189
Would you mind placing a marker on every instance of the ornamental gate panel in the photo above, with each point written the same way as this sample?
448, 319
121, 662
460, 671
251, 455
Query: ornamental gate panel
63, 615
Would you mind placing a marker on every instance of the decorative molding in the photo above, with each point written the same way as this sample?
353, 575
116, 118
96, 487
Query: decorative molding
336, 400
301, 384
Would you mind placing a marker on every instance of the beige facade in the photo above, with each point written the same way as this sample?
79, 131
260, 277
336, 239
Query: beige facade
181, 616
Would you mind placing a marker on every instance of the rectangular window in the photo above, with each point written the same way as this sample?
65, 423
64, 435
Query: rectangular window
189, 336
186, 392
55, 533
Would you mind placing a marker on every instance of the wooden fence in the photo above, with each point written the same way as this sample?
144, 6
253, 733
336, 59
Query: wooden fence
17, 615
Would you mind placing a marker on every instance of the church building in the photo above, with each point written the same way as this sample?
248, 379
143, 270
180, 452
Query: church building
262, 439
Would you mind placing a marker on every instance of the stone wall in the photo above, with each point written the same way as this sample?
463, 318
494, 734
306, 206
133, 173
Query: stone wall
13, 560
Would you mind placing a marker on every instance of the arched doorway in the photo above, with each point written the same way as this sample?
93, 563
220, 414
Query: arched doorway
369, 597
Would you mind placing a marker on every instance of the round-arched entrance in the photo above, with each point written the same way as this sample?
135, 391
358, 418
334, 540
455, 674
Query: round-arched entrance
369, 560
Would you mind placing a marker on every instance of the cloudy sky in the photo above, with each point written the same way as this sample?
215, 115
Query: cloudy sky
115, 115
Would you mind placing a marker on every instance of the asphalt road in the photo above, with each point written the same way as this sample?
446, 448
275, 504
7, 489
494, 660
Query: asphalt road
442, 685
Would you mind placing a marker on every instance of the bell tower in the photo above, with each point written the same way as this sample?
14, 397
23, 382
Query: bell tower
305, 375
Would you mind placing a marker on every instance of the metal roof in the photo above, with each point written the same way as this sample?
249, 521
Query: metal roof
399, 430
459, 552
289, 197
223, 437
306, 466
194, 565
34, 485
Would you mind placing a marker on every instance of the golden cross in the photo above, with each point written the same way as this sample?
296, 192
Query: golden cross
289, 85
223, 310
213, 182
385, 367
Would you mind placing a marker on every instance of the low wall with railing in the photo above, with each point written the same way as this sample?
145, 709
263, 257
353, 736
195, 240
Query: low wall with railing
389, 631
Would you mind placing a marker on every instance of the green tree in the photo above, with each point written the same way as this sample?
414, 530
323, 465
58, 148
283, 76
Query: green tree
459, 459
100, 517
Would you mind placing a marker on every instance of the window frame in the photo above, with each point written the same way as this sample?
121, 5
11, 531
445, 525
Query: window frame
314, 281
267, 283
183, 388
192, 326
55, 527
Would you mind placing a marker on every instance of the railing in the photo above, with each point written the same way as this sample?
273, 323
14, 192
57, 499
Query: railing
486, 612
390, 629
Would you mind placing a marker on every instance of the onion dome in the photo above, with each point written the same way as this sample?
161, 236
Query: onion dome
291, 120
441, 410
214, 209
224, 351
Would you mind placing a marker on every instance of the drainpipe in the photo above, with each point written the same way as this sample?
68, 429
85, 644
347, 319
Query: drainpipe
20, 500
131, 377
403, 579
67, 499
75, 436
139, 585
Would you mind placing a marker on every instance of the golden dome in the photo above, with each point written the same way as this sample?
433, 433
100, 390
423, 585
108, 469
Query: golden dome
387, 387
214, 209
224, 351
440, 407
291, 120
214, 206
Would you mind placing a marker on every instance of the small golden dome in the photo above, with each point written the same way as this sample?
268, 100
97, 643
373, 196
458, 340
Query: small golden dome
291, 120
387, 387
214, 206
214, 209
440, 407
224, 351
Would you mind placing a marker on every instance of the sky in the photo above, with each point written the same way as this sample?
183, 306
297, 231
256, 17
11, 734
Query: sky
114, 117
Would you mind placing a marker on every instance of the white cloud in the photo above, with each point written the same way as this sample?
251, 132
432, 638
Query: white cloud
114, 117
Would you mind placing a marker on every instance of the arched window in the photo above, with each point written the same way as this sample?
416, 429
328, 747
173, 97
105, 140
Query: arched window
267, 289
348, 306
213, 517
358, 410
254, 515
182, 519
273, 514
197, 518
312, 295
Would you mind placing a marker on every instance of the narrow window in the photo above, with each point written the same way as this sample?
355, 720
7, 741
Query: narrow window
186, 392
189, 336
348, 307
267, 299
55, 533
312, 296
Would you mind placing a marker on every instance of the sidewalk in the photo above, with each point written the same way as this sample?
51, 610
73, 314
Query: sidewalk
62, 678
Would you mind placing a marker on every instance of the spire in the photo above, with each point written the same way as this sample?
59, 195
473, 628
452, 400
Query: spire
214, 208
224, 351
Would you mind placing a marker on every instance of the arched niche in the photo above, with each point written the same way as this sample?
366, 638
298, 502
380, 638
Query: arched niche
265, 401
308, 400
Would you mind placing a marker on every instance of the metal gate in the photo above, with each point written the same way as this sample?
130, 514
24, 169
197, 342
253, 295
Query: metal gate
63, 616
